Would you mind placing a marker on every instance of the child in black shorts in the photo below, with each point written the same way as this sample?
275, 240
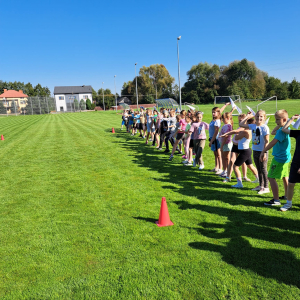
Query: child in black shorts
295, 166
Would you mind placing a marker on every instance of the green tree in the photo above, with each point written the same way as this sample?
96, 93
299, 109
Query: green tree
88, 104
202, 83
274, 87
294, 89
82, 105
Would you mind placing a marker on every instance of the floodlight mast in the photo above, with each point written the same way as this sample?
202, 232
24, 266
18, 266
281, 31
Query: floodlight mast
115, 91
103, 96
179, 71
137, 96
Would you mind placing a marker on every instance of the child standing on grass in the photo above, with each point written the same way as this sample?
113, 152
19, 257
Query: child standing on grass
295, 166
243, 137
187, 138
226, 143
150, 127
198, 128
180, 133
260, 139
281, 145
214, 144
171, 130
234, 154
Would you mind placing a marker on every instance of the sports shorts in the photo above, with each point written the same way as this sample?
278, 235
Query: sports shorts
278, 170
244, 157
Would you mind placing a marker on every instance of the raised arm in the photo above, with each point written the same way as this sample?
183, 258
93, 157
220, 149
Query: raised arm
224, 106
288, 123
243, 123
275, 130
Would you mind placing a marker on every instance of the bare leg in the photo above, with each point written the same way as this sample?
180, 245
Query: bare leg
244, 170
274, 187
285, 184
290, 191
237, 171
253, 170
230, 165
174, 147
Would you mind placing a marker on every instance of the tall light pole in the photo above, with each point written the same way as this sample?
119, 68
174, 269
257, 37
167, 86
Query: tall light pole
137, 96
115, 92
179, 71
103, 96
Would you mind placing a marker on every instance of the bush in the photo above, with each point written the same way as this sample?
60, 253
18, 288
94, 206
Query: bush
93, 106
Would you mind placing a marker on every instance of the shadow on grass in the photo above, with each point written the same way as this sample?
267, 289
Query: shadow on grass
150, 220
247, 223
269, 263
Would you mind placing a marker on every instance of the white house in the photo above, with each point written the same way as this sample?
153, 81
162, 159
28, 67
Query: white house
68, 98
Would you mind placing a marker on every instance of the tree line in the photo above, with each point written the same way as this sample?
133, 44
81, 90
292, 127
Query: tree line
28, 89
205, 81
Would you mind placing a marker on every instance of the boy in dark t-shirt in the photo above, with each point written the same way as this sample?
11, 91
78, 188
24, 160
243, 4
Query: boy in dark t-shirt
295, 166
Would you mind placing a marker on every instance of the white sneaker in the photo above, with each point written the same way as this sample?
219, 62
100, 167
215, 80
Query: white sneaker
201, 167
286, 207
218, 172
188, 164
224, 174
255, 181
194, 163
258, 188
239, 185
263, 191
185, 161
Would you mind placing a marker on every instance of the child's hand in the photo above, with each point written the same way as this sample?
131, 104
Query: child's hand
223, 135
262, 157
295, 117
210, 144
250, 115
228, 103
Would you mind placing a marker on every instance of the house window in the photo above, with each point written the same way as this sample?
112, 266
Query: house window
22, 101
61, 98
85, 97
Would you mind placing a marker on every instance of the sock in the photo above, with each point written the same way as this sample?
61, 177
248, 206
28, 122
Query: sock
289, 202
277, 200
256, 176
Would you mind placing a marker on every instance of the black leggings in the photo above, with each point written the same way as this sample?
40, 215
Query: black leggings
244, 157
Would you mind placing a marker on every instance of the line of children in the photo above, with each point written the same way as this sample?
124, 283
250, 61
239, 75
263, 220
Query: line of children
231, 154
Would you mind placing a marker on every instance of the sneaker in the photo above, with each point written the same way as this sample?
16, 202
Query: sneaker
213, 170
188, 164
258, 188
201, 167
246, 179
255, 181
272, 203
156, 147
184, 157
144, 137
166, 151
263, 191
132, 134
239, 185
171, 157
180, 152
194, 162
227, 179
282, 198
147, 143
286, 207
159, 149
218, 172
150, 140
185, 161
224, 174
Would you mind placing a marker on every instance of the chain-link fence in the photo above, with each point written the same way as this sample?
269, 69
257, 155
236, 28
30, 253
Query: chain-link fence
37, 106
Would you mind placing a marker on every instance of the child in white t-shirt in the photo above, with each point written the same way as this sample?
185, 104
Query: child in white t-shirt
260, 139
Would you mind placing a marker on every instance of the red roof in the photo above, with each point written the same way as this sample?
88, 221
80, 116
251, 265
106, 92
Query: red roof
13, 94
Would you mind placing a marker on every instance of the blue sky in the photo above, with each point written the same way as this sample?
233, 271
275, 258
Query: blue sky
58, 43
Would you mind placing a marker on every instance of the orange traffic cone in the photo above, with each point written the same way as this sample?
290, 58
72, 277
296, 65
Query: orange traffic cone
164, 219
2, 137
113, 130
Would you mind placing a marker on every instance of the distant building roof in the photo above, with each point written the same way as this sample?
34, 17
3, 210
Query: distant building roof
13, 94
72, 89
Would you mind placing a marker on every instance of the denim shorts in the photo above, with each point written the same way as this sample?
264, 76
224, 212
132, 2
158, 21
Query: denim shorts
215, 145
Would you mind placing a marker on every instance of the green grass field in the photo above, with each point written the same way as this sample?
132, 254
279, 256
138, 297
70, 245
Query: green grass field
77, 212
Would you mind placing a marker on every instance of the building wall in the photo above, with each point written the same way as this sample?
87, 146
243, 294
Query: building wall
65, 104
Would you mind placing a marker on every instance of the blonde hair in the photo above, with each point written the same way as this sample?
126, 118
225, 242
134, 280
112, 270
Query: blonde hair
217, 109
262, 112
228, 115
282, 113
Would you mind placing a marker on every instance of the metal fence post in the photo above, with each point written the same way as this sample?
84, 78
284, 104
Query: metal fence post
40, 105
46, 101
31, 106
